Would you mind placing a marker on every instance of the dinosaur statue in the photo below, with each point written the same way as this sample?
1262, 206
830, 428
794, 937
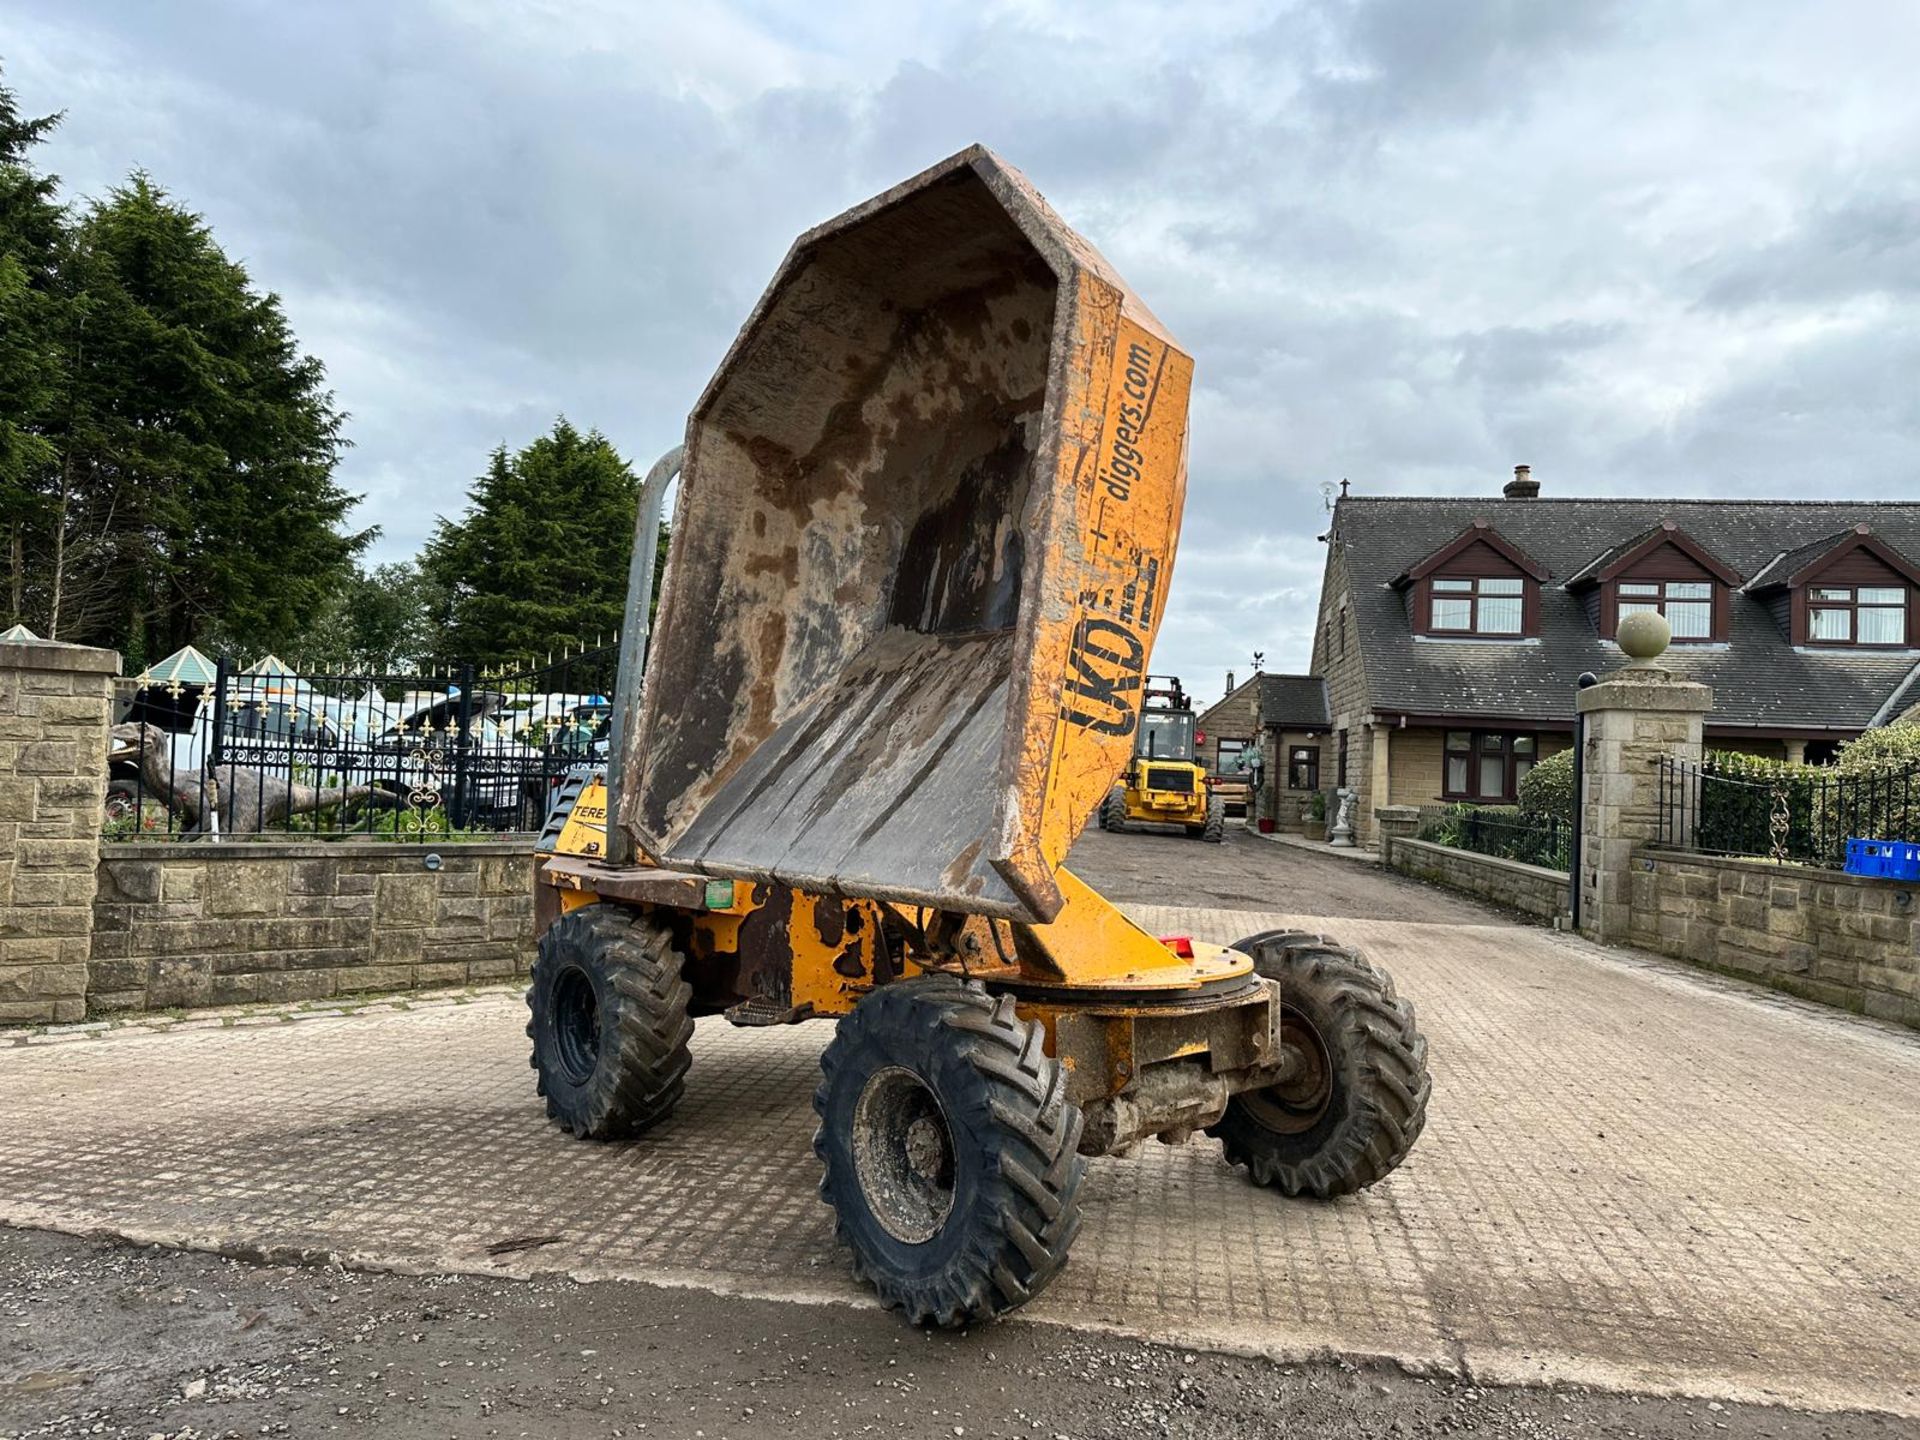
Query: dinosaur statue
239, 799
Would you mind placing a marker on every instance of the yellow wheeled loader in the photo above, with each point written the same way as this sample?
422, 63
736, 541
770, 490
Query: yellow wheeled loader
925, 527
1164, 784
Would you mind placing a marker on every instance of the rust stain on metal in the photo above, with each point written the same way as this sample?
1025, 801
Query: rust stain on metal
927, 523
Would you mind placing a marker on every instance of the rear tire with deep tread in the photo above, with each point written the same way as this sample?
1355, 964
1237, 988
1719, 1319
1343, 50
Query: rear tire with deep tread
610, 1028
1368, 1105
1113, 814
997, 1206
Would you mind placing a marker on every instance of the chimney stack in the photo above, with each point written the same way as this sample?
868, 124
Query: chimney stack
1229, 682
1522, 486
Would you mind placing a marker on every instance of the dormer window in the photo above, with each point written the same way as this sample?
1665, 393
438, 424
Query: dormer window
1665, 571
1478, 586
1851, 589
1686, 604
1857, 615
1483, 605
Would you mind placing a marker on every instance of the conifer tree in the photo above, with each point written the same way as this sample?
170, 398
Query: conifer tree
539, 560
166, 450
31, 221
195, 497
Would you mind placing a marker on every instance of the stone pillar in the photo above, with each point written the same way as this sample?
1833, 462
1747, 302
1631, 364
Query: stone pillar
1403, 820
1380, 786
1634, 716
1796, 752
55, 707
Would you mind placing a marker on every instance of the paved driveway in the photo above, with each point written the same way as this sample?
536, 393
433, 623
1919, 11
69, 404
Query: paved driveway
1633, 1175
1247, 872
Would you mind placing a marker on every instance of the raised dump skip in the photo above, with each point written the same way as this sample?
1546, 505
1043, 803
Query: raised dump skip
926, 524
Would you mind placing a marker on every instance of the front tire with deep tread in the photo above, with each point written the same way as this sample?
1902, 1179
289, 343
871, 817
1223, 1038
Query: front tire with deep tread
973, 1213
610, 1028
1358, 1107
1216, 828
1113, 814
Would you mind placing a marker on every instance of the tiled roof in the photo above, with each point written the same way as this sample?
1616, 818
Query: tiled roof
1295, 702
1607, 556
1759, 678
1783, 567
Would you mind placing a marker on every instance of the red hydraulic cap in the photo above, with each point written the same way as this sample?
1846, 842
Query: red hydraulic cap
1181, 945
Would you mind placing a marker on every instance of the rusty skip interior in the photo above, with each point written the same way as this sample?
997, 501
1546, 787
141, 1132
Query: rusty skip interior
850, 562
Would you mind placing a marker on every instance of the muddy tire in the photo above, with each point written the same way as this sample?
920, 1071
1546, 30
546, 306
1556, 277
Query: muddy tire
609, 1024
950, 1151
1113, 814
1216, 826
1356, 1109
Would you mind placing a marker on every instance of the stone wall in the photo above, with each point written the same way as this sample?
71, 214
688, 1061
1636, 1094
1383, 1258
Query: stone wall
1289, 809
1237, 717
1842, 939
1418, 758
1337, 647
206, 923
1530, 889
53, 755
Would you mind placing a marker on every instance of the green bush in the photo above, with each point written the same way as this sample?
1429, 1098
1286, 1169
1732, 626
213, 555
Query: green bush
1548, 787
1876, 795
1737, 800
1872, 792
1505, 831
1892, 747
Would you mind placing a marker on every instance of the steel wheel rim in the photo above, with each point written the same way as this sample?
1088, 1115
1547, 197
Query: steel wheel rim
1295, 1105
576, 1024
903, 1155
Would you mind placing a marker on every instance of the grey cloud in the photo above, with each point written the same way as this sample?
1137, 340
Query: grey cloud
1408, 243
1865, 244
1522, 357
1834, 417
1391, 60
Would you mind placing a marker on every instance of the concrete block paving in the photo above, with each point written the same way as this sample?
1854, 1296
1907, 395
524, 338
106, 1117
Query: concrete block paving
1632, 1175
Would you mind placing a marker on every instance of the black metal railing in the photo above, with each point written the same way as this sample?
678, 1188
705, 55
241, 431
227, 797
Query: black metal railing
1504, 832
1804, 815
461, 754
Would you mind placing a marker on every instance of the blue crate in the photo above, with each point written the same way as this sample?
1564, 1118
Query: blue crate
1887, 859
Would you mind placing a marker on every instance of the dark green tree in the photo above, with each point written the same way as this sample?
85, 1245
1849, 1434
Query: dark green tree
195, 496
379, 621
538, 562
31, 240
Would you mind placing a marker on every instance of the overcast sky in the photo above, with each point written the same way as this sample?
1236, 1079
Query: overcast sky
1661, 249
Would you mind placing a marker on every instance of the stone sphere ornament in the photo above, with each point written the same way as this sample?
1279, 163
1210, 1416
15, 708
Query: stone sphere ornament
1644, 635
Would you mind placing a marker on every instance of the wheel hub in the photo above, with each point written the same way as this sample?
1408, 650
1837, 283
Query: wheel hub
927, 1151
903, 1155
1297, 1103
576, 1025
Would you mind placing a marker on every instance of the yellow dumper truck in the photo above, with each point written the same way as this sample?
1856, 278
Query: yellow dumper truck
925, 529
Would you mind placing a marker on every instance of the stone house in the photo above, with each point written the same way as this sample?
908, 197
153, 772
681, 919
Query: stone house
1284, 719
1452, 632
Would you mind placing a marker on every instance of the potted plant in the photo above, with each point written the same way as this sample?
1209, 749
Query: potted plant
1316, 820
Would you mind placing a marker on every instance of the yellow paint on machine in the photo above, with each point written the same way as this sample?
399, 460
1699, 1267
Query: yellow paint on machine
1098, 405
585, 832
1128, 470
